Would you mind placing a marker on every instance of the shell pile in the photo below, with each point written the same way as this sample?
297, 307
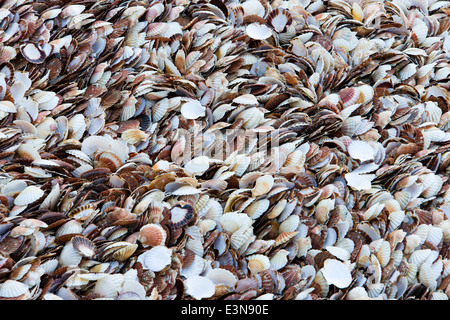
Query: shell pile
341, 190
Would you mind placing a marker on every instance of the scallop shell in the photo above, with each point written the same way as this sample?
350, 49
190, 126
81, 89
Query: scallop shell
27, 151
262, 185
361, 150
194, 268
152, 235
156, 259
68, 229
192, 110
366, 93
279, 19
221, 276
290, 224
69, 256
181, 215
258, 263
247, 99
29, 195
199, 287
109, 286
233, 221
11, 289
258, 31
257, 208
340, 253
7, 106
33, 53
336, 273
240, 238
84, 246
125, 251
133, 136
197, 165
349, 96
279, 260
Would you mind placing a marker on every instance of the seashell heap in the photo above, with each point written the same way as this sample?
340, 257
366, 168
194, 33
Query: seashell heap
333, 182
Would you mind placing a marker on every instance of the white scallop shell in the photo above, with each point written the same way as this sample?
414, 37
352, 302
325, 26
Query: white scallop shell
383, 253
197, 165
134, 289
12, 288
257, 208
221, 276
109, 286
429, 274
336, 273
248, 99
156, 259
193, 110
279, 260
69, 256
290, 224
13, 188
92, 144
340, 253
233, 221
419, 256
251, 117
195, 268
240, 237
70, 227
361, 150
253, 7
359, 181
435, 235
199, 287
28, 195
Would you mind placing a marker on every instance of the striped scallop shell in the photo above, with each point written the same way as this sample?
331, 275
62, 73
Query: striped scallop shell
284, 237
84, 246
152, 235
125, 251
349, 96
33, 53
181, 215
279, 19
